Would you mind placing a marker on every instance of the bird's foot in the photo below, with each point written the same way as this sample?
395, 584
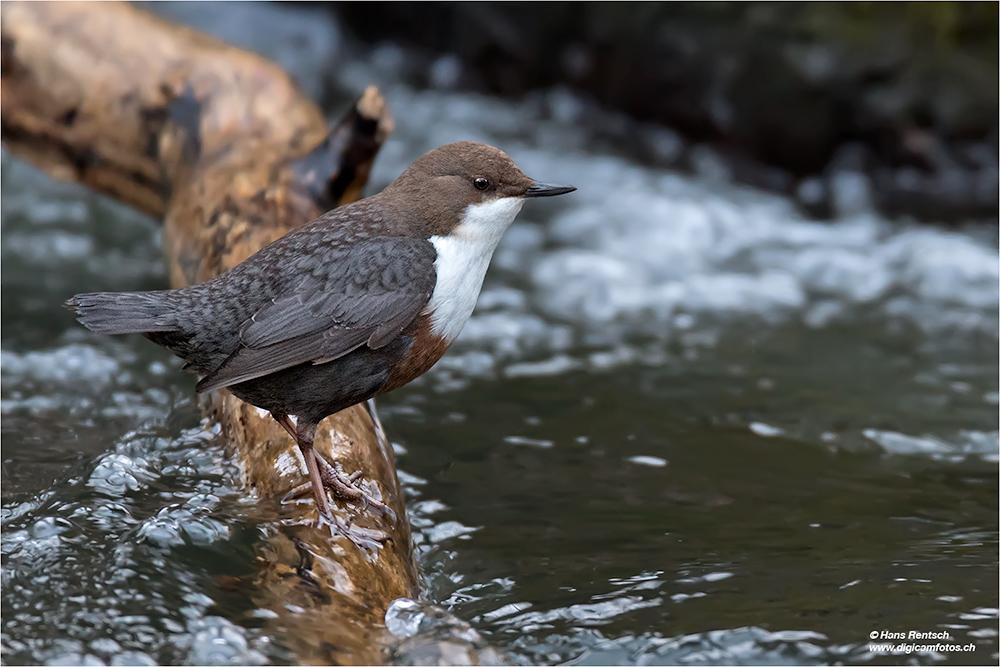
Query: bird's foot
344, 487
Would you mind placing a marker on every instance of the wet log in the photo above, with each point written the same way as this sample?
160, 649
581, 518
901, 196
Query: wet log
222, 146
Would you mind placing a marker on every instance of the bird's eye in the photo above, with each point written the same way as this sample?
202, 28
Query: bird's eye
481, 183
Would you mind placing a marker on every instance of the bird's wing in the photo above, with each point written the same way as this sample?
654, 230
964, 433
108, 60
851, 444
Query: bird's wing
365, 294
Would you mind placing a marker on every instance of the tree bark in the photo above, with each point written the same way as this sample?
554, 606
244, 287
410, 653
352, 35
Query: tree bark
222, 146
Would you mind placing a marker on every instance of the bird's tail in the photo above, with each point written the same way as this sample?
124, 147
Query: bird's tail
124, 312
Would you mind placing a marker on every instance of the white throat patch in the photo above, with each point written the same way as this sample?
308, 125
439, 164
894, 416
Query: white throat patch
462, 259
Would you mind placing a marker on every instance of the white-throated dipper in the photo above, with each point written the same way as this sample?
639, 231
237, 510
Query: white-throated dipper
352, 305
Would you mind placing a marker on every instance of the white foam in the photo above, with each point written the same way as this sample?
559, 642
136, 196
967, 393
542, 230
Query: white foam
967, 443
651, 461
72, 363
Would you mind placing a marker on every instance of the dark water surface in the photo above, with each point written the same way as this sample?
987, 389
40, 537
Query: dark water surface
734, 530
685, 425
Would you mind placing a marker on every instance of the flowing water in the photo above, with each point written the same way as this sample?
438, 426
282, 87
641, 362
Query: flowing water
686, 424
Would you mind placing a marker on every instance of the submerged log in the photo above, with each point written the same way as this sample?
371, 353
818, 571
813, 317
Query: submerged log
222, 146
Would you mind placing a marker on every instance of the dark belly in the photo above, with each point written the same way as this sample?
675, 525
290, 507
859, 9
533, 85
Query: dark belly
314, 391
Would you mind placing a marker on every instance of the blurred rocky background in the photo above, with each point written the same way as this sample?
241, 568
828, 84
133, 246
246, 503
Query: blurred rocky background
786, 96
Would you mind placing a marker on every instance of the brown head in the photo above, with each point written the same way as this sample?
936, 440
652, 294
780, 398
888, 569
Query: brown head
437, 190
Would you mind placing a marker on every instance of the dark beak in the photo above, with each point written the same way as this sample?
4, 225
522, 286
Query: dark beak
546, 190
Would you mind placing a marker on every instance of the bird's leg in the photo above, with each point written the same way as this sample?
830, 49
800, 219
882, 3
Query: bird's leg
306, 433
362, 538
341, 485
286, 423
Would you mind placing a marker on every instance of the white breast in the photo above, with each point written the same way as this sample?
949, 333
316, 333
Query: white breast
462, 259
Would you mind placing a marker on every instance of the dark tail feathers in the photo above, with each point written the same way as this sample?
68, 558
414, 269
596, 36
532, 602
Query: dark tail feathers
124, 312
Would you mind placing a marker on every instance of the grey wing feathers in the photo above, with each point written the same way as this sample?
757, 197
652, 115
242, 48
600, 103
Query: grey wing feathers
366, 295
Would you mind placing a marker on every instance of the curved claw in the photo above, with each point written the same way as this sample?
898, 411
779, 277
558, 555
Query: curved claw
376, 506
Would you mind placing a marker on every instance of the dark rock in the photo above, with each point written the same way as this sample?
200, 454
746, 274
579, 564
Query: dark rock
780, 85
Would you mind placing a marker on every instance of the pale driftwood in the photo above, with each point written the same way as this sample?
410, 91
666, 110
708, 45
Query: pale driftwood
220, 144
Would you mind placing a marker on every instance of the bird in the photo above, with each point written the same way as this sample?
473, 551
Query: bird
356, 303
